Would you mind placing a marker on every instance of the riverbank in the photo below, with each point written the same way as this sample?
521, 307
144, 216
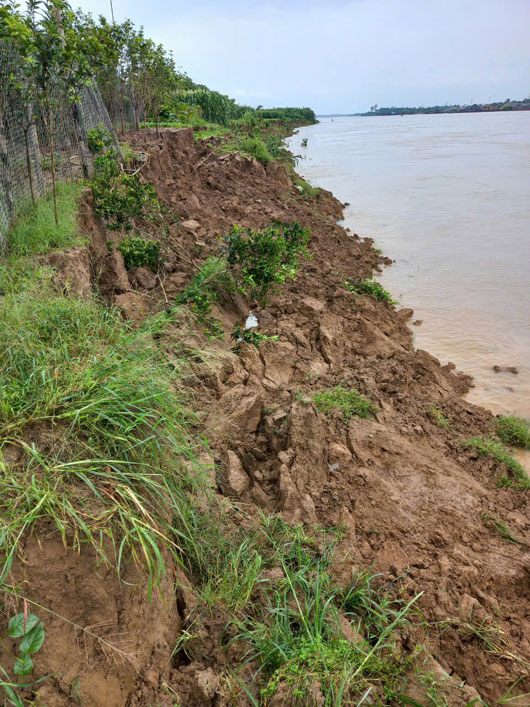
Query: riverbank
332, 420
444, 197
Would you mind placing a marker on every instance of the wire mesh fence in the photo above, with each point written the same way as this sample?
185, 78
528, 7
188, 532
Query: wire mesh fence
31, 138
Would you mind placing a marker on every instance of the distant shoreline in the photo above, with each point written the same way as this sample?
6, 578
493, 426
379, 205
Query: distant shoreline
507, 107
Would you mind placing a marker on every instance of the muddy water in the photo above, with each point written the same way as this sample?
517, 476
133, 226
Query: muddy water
448, 198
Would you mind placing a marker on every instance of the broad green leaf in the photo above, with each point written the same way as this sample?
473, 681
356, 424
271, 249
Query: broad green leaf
23, 665
33, 640
16, 625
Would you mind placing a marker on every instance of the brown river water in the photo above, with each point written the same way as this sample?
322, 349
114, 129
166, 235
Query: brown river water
447, 197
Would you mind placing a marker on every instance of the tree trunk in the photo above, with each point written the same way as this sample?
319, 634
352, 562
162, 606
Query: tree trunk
52, 163
80, 139
28, 162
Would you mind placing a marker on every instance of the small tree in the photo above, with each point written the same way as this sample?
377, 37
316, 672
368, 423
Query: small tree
18, 39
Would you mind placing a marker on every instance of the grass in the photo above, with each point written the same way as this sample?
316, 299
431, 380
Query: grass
305, 189
492, 449
514, 431
486, 632
101, 428
295, 633
369, 286
437, 417
349, 402
34, 231
275, 582
502, 530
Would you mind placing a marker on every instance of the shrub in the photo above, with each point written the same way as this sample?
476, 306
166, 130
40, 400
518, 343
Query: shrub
255, 147
119, 197
305, 189
369, 286
138, 251
261, 259
35, 230
349, 402
494, 450
514, 431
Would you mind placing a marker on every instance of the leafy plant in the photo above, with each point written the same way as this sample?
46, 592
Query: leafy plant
495, 450
255, 147
369, 286
348, 402
261, 259
30, 629
514, 431
119, 197
138, 251
250, 336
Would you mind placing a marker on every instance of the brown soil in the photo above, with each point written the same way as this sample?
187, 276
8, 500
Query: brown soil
410, 498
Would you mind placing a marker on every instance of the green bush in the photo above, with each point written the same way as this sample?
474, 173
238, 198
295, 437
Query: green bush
119, 197
349, 402
369, 286
35, 231
514, 431
139, 251
255, 147
262, 259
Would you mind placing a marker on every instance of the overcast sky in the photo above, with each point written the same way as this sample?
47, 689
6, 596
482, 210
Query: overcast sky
343, 55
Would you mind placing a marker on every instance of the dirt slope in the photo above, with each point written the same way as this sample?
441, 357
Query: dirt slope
409, 498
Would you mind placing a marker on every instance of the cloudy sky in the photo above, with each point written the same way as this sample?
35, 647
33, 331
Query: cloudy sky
343, 55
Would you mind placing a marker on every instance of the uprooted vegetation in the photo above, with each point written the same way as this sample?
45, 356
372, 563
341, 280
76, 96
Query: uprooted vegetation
239, 525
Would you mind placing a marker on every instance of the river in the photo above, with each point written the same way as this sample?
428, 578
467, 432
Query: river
447, 197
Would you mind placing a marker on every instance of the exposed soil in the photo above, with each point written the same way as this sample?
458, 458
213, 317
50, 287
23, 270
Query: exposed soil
409, 498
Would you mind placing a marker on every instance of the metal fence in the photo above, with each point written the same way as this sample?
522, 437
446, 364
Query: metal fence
26, 139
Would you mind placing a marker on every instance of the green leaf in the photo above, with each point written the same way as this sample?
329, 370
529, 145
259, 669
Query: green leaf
23, 665
33, 640
16, 625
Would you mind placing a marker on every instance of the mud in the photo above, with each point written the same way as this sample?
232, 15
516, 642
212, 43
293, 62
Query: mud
409, 498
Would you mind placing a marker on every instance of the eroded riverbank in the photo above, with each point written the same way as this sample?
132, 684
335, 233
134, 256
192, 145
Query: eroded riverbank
446, 198
402, 487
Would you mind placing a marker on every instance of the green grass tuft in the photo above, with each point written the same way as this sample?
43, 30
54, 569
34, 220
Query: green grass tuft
369, 286
297, 632
102, 437
502, 530
516, 476
349, 402
514, 431
438, 417
35, 232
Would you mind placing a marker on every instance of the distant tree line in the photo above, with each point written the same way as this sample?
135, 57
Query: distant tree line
508, 104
